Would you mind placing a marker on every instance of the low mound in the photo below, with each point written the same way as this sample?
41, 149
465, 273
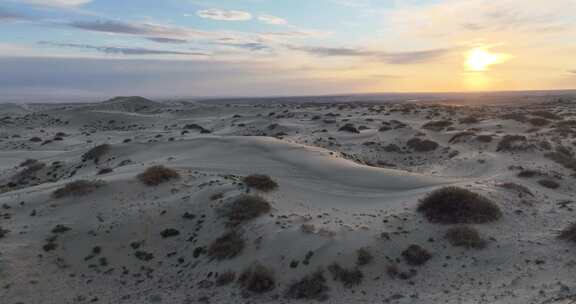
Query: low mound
453, 205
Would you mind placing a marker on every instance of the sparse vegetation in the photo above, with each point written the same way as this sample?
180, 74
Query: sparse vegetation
465, 236
257, 279
548, 183
416, 255
77, 188
3, 232
244, 208
311, 287
157, 175
348, 277
513, 143
227, 246
437, 125
225, 278
349, 128
260, 182
453, 205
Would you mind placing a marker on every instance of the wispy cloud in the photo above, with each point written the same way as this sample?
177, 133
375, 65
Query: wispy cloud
411, 57
167, 40
121, 50
274, 20
57, 3
224, 15
6, 15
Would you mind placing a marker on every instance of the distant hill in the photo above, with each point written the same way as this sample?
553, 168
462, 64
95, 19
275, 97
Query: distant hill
127, 104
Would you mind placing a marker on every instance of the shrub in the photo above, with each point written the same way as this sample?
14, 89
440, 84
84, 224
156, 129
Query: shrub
168, 233
453, 205
416, 255
420, 145
348, 277
244, 208
539, 122
563, 156
3, 232
35, 139
157, 175
569, 234
364, 257
512, 143
465, 236
28, 162
260, 182
550, 184
349, 128
77, 188
522, 190
257, 279
484, 138
545, 114
460, 135
96, 153
469, 120
227, 246
105, 171
225, 278
311, 287
437, 125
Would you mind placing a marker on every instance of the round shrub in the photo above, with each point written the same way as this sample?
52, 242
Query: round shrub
465, 236
227, 246
260, 182
157, 175
453, 205
244, 208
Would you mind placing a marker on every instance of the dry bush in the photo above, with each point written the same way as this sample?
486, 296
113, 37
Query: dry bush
548, 183
244, 208
511, 143
465, 236
349, 128
415, 255
420, 145
225, 278
348, 277
260, 182
311, 287
529, 173
519, 117
546, 114
484, 138
522, 190
77, 188
569, 233
96, 153
157, 175
460, 135
3, 232
438, 125
469, 120
539, 122
453, 205
227, 246
28, 162
257, 279
364, 257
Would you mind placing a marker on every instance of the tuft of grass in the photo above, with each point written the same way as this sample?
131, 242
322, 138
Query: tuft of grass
512, 143
260, 182
348, 277
257, 279
227, 246
569, 233
310, 287
96, 153
244, 208
415, 255
465, 236
157, 175
453, 205
438, 125
77, 188
484, 138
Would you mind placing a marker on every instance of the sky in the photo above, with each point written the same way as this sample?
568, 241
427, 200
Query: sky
96, 48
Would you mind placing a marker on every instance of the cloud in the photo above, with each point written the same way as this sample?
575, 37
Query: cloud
251, 46
224, 15
57, 3
411, 57
141, 29
6, 15
167, 40
121, 50
274, 20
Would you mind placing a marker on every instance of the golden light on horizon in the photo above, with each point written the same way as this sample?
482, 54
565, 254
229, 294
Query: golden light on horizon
479, 59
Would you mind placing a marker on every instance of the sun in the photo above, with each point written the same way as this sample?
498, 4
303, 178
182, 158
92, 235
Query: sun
479, 59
